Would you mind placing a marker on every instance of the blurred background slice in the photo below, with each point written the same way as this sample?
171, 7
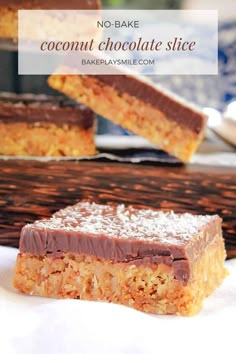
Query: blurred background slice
206, 91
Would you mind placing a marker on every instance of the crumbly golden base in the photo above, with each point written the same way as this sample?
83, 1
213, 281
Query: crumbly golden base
8, 23
150, 288
131, 113
51, 26
23, 139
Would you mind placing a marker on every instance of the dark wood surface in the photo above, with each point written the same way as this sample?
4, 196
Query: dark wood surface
30, 190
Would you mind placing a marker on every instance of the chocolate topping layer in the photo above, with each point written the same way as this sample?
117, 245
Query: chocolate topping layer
173, 108
43, 109
52, 4
123, 235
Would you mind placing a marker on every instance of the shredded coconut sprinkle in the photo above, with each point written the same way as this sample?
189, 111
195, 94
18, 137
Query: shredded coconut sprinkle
126, 223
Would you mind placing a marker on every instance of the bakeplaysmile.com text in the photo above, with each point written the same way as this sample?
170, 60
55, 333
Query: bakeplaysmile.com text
128, 62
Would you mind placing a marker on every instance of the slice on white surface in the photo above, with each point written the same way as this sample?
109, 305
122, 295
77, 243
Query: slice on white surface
38, 325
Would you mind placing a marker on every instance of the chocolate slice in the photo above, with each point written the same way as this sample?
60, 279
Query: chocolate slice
123, 235
31, 108
175, 108
138, 106
154, 261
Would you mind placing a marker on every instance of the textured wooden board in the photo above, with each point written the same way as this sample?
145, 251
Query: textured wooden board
30, 190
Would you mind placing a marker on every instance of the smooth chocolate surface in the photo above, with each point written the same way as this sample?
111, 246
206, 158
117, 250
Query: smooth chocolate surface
30, 108
52, 4
139, 236
175, 109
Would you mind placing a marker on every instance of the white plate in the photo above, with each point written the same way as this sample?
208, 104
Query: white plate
120, 142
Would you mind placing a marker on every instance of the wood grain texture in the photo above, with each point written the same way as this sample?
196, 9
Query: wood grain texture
30, 190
